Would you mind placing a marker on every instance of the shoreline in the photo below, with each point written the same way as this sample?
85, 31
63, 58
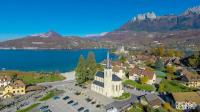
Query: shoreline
69, 75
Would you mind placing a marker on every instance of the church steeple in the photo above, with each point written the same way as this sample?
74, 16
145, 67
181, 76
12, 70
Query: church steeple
108, 66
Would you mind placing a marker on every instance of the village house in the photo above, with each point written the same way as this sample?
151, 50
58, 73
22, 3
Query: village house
107, 83
152, 100
14, 88
121, 106
4, 80
137, 72
121, 50
186, 100
190, 79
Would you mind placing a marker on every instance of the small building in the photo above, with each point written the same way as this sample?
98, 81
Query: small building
152, 100
107, 83
136, 73
190, 79
14, 88
120, 106
121, 50
186, 100
119, 71
4, 80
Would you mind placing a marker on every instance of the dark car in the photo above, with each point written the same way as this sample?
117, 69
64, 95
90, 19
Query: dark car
75, 104
71, 101
87, 110
94, 102
44, 108
47, 110
80, 109
66, 97
56, 97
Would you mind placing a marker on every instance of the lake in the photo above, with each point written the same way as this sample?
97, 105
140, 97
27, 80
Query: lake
46, 60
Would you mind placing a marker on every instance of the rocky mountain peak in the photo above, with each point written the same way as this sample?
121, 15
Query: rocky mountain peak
193, 10
48, 34
141, 17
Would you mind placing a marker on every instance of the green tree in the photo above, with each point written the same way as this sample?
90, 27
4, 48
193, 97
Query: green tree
179, 53
166, 106
143, 80
91, 66
158, 51
170, 52
194, 60
170, 69
159, 64
122, 59
81, 71
161, 87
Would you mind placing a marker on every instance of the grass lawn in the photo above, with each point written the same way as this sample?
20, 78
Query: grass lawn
173, 86
136, 109
51, 94
29, 108
123, 96
139, 86
34, 77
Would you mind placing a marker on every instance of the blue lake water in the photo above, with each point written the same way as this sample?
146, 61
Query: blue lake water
46, 60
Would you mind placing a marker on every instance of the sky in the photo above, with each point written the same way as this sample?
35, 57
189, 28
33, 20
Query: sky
19, 18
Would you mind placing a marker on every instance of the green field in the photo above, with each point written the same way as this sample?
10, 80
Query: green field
139, 86
29, 108
33, 77
173, 86
123, 96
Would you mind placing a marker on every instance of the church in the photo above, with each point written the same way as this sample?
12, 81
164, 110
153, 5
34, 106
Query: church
107, 83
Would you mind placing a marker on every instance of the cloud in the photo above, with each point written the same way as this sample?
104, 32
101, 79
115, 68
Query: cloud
96, 35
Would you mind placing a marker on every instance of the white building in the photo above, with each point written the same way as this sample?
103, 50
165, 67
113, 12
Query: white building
4, 80
107, 83
121, 50
186, 100
136, 72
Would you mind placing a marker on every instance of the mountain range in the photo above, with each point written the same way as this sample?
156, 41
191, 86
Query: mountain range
141, 31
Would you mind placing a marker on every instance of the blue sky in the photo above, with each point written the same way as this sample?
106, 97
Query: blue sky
77, 17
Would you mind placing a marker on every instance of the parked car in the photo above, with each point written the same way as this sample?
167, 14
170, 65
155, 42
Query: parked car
47, 110
66, 97
94, 102
70, 102
87, 110
76, 103
43, 108
80, 109
56, 97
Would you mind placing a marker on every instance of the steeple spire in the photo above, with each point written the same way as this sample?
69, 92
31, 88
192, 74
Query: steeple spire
108, 60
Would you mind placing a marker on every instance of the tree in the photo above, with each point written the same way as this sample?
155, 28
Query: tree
81, 70
159, 64
91, 66
179, 53
122, 59
143, 80
161, 87
100, 67
170, 69
194, 60
158, 51
170, 52
166, 106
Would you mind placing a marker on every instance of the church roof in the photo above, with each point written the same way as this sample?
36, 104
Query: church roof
115, 78
100, 74
98, 83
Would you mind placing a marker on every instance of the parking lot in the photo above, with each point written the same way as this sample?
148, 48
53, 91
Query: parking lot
75, 99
